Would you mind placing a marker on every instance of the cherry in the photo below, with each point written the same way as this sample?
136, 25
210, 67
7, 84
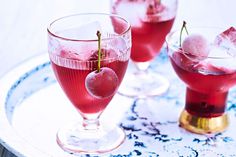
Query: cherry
196, 45
102, 84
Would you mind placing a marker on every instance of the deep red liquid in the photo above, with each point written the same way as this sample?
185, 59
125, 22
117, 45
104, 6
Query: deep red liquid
148, 39
206, 94
72, 82
147, 36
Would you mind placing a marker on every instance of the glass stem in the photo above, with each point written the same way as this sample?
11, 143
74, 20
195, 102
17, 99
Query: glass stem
141, 72
142, 66
91, 124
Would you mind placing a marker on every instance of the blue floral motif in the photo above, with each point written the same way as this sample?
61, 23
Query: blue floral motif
151, 127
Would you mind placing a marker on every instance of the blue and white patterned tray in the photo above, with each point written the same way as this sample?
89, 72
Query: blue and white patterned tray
33, 107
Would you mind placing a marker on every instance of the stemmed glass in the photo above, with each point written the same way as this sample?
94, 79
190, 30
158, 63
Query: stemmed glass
89, 54
150, 20
205, 61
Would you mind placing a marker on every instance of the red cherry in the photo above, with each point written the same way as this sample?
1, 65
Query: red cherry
196, 46
102, 84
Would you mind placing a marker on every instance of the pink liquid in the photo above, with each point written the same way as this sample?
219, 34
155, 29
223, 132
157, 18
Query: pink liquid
147, 36
206, 92
148, 39
72, 81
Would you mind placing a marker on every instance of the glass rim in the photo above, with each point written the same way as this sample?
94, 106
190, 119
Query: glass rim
87, 40
171, 45
80, 64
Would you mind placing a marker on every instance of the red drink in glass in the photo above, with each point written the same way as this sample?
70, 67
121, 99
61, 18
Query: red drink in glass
71, 77
209, 70
89, 53
151, 21
207, 87
148, 39
148, 29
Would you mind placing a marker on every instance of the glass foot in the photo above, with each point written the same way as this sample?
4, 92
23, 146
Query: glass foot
203, 125
143, 84
76, 139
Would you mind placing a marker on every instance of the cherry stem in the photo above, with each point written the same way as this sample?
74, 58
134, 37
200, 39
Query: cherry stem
99, 50
181, 32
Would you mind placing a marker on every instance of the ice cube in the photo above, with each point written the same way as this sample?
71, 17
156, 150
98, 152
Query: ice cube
121, 8
227, 40
154, 7
86, 31
69, 54
119, 44
79, 50
84, 55
218, 62
183, 60
155, 12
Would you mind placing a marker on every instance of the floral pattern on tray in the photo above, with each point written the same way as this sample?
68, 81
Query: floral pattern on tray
151, 125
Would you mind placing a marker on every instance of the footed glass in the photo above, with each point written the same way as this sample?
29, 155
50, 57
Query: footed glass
89, 55
208, 69
151, 21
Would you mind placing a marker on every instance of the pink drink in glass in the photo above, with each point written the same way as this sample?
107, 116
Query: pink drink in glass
72, 80
208, 69
151, 21
148, 39
207, 89
89, 53
148, 32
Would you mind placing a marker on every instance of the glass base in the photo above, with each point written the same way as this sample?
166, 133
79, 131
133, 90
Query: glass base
143, 84
76, 139
203, 125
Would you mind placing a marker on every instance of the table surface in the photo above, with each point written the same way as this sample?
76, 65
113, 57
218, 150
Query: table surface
23, 23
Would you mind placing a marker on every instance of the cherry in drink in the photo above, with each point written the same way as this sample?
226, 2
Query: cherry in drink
207, 89
148, 29
208, 69
89, 54
151, 21
72, 75
148, 39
